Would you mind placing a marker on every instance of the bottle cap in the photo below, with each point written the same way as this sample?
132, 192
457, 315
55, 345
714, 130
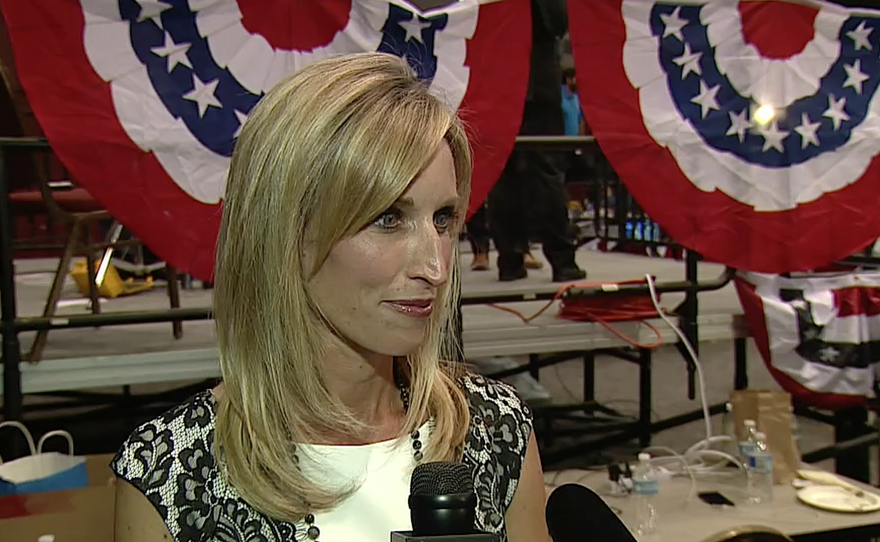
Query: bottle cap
749, 423
644, 457
760, 436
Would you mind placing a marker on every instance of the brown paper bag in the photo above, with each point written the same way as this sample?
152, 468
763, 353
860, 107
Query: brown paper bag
771, 411
79, 515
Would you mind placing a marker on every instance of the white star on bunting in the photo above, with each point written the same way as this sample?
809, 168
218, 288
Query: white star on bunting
673, 23
175, 53
152, 9
414, 28
828, 354
836, 112
807, 130
773, 137
706, 99
860, 37
854, 76
739, 124
810, 333
241, 118
203, 94
689, 62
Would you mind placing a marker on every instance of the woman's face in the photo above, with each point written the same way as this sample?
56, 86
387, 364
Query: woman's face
378, 287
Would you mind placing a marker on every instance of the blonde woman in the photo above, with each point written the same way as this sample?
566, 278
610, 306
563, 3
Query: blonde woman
336, 275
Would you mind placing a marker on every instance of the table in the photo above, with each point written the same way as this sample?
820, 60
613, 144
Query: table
683, 520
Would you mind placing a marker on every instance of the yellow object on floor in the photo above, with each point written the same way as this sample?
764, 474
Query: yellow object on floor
112, 286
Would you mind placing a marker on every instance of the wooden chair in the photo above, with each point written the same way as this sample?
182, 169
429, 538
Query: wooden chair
76, 207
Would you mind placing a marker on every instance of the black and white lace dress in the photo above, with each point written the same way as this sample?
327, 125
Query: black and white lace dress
171, 460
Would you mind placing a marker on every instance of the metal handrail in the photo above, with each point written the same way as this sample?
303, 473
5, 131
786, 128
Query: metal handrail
116, 318
25, 142
660, 287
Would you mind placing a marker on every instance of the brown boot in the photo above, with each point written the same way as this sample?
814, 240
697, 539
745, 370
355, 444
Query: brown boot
480, 262
531, 263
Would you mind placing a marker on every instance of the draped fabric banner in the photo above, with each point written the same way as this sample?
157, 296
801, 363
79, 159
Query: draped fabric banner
746, 129
818, 335
142, 99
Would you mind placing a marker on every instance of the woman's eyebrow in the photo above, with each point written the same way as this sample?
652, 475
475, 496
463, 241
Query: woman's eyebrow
408, 203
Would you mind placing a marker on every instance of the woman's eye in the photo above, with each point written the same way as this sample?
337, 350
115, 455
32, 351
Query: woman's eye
388, 220
444, 218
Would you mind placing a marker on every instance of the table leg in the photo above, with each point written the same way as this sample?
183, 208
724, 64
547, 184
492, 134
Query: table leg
589, 376
854, 463
644, 397
740, 357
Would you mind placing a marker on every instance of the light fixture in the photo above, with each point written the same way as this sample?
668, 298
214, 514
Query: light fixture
764, 114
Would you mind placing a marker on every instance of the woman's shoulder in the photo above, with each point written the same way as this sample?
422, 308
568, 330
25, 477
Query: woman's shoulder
171, 460
496, 445
171, 454
155, 444
486, 394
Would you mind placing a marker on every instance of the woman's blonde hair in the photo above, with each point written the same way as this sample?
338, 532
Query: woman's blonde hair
322, 155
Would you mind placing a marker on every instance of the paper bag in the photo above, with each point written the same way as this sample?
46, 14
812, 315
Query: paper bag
42, 471
771, 411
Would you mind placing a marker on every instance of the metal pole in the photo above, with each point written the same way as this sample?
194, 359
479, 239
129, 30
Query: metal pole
689, 319
12, 398
115, 318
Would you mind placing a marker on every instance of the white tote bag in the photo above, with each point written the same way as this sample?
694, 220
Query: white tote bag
42, 471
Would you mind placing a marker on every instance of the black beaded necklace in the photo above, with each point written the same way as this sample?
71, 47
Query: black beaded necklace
313, 532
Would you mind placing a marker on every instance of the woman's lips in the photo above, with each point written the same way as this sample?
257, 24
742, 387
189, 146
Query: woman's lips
417, 308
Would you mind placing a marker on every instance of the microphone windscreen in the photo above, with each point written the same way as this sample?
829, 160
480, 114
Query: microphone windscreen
441, 478
575, 513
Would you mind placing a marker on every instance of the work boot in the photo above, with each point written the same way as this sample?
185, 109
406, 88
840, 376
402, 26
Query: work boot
531, 263
480, 262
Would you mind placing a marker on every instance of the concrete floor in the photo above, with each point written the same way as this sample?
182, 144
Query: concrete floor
617, 381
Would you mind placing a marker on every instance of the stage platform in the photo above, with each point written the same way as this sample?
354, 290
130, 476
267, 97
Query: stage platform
148, 353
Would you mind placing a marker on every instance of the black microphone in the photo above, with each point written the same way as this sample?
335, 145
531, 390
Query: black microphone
575, 513
442, 506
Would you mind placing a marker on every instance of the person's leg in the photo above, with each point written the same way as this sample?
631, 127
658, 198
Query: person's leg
546, 199
548, 195
506, 224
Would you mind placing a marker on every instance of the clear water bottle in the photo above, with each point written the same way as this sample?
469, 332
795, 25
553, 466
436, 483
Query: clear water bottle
747, 444
646, 487
760, 471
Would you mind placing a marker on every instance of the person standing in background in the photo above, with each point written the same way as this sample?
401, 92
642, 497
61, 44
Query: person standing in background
581, 164
572, 114
530, 191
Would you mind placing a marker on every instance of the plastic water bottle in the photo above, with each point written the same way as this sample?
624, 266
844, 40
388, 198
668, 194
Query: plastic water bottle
646, 488
760, 471
748, 443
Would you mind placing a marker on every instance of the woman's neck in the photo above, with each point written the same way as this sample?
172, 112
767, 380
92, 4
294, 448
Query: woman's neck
367, 386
